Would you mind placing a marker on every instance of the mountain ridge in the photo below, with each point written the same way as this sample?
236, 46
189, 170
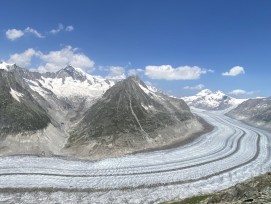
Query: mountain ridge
208, 100
134, 115
18, 109
91, 116
256, 112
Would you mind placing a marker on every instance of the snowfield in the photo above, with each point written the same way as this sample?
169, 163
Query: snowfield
208, 100
229, 154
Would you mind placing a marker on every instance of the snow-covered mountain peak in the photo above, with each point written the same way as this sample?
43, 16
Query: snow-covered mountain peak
219, 93
206, 99
70, 84
6, 66
204, 92
70, 69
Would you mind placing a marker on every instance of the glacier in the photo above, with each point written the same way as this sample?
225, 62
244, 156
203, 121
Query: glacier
229, 154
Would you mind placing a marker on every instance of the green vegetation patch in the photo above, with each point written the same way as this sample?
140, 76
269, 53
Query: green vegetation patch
193, 200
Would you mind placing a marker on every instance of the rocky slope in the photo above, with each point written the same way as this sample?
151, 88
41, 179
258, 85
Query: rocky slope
208, 100
256, 112
37, 110
19, 111
131, 117
72, 109
256, 190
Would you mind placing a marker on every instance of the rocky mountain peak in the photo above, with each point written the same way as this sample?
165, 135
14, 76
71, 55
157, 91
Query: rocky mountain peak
70, 71
131, 113
131, 80
132, 88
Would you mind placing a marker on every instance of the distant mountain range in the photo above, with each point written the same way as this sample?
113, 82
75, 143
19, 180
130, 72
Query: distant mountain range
73, 113
208, 100
256, 112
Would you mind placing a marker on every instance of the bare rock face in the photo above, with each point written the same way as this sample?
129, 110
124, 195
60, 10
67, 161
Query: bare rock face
131, 117
19, 112
254, 191
256, 112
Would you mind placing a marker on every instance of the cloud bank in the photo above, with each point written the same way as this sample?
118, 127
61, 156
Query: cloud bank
167, 72
23, 59
53, 60
237, 92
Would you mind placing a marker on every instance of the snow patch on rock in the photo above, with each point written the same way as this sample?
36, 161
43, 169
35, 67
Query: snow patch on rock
16, 95
5, 66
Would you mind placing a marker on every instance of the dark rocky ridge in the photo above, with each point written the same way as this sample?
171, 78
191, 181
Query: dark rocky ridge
15, 116
69, 71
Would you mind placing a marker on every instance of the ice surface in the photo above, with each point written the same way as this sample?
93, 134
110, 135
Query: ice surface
229, 154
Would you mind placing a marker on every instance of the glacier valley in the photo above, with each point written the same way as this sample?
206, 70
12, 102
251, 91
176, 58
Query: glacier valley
229, 154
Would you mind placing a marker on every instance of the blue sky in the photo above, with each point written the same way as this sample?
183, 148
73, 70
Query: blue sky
180, 46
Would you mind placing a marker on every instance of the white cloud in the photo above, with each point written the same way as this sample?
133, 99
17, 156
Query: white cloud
133, 72
197, 87
61, 27
116, 73
55, 60
58, 29
33, 31
169, 73
241, 92
23, 59
234, 71
13, 34
211, 71
69, 28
